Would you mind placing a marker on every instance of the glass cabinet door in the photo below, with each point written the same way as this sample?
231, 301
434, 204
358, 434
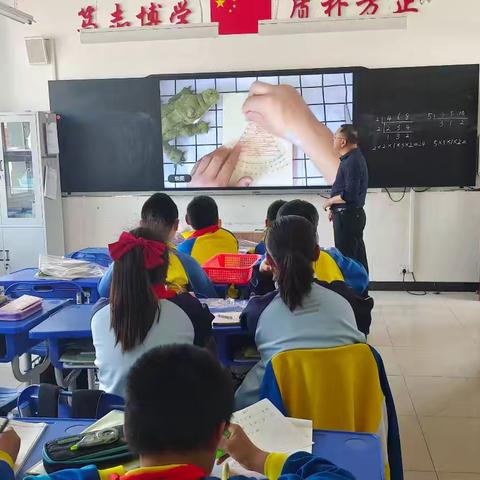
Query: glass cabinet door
18, 172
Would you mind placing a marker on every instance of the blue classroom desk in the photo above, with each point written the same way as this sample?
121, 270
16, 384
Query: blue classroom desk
359, 453
14, 335
71, 323
88, 285
56, 428
74, 323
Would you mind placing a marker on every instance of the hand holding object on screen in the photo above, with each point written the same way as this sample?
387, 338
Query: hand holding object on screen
216, 169
281, 110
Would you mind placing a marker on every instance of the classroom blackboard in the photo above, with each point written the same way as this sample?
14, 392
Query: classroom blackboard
418, 126
109, 134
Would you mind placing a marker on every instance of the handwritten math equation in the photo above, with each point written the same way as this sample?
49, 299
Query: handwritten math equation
404, 130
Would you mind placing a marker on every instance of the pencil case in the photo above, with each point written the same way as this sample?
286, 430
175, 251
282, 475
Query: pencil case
58, 454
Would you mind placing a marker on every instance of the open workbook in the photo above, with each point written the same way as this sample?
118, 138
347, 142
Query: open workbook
263, 423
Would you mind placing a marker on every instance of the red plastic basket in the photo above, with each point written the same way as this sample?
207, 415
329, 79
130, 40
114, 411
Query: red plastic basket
231, 268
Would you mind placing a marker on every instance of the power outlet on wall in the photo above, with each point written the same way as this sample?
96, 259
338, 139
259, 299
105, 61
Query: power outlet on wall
404, 269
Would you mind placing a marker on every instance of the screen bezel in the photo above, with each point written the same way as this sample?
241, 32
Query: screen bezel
256, 73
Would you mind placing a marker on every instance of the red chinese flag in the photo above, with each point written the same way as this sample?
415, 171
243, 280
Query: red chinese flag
264, 9
238, 16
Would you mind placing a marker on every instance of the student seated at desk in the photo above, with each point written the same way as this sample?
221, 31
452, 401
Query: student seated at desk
208, 238
160, 213
143, 313
271, 217
330, 266
302, 313
179, 404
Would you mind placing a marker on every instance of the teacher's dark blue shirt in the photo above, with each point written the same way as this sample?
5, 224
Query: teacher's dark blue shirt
351, 182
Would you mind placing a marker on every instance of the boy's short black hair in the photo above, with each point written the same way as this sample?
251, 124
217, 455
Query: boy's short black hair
177, 396
301, 208
160, 208
202, 212
273, 209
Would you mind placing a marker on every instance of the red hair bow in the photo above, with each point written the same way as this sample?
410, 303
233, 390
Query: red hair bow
153, 251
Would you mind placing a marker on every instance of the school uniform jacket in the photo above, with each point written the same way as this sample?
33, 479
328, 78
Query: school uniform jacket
326, 319
204, 244
331, 266
181, 319
184, 273
278, 466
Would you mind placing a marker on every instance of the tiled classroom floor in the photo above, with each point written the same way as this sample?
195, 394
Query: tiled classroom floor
431, 349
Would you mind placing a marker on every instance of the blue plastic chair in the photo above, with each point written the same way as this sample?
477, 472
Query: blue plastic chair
46, 289
94, 255
27, 403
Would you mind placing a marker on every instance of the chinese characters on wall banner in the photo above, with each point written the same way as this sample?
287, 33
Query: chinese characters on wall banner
240, 16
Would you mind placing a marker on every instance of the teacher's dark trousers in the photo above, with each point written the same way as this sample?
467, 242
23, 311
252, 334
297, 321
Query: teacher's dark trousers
348, 226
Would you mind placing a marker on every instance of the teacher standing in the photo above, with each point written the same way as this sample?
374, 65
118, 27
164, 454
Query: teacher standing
348, 195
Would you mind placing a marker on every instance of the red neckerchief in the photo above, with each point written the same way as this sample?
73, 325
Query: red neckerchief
162, 292
203, 231
182, 472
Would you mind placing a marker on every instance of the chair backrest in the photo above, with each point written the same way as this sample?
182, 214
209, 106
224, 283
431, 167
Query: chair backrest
47, 289
28, 403
343, 388
99, 256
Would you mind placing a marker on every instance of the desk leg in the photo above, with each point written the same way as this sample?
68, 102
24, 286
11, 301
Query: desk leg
31, 375
69, 380
91, 378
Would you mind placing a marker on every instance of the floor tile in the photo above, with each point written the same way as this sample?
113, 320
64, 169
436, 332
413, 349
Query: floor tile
445, 397
403, 403
420, 476
414, 449
379, 334
454, 443
7, 378
445, 360
390, 362
459, 476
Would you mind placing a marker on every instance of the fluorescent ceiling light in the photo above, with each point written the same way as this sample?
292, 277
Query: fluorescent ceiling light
139, 34
15, 14
325, 25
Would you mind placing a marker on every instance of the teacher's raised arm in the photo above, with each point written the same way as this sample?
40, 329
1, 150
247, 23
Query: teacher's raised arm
281, 110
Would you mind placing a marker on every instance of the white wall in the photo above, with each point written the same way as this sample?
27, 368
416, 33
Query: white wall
447, 224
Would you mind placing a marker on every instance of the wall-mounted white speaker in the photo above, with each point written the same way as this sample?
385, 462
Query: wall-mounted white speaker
38, 50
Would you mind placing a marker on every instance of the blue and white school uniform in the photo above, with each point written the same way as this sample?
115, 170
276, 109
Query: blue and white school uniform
325, 320
181, 319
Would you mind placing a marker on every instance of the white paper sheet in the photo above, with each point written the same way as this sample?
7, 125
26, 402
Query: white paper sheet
264, 157
304, 432
51, 183
29, 434
227, 318
52, 138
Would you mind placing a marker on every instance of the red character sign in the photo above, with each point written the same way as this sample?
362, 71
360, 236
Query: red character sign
117, 20
331, 5
180, 13
87, 13
151, 16
371, 7
301, 9
405, 6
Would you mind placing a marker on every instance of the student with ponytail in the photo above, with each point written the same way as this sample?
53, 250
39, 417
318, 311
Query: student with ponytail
142, 313
301, 313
